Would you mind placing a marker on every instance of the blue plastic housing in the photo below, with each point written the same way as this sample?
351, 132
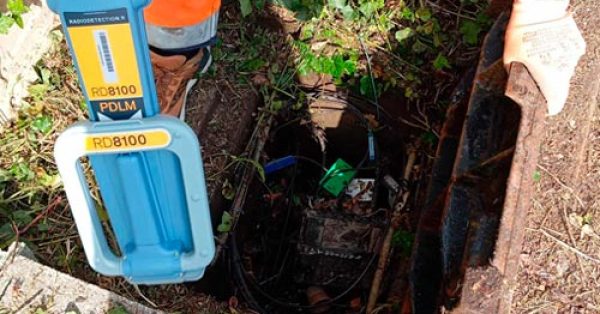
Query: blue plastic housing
143, 192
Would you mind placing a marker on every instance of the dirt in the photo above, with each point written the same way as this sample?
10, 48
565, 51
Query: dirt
221, 114
560, 260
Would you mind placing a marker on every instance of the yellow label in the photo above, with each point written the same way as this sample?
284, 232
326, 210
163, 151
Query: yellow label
107, 61
127, 141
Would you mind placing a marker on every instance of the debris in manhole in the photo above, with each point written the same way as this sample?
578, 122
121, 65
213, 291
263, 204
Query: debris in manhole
311, 233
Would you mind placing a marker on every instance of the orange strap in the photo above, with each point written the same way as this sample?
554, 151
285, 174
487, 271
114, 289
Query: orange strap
180, 13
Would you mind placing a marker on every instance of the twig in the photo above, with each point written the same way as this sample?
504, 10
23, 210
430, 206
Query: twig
566, 246
570, 189
387, 243
450, 12
137, 289
242, 191
49, 209
572, 238
370, 68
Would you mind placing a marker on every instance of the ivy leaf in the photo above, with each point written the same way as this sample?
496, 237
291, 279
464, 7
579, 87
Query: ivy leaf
246, 7
42, 124
350, 66
369, 7
408, 15
16, 7
5, 23
424, 14
21, 217
337, 4
404, 34
118, 310
441, 62
470, 31
21, 172
348, 12
18, 20
366, 87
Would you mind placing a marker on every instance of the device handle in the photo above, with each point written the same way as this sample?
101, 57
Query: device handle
68, 151
70, 147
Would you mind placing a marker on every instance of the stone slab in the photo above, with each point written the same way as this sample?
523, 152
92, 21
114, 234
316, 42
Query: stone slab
27, 286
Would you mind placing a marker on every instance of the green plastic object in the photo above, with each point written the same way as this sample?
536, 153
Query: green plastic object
337, 177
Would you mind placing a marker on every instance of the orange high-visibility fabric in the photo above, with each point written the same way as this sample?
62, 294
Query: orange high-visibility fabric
180, 13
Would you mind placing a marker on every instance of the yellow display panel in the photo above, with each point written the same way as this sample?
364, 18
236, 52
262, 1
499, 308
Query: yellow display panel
107, 61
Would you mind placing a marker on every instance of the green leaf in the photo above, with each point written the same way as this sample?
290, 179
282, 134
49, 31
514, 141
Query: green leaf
276, 105
408, 14
18, 20
369, 7
441, 62
366, 87
404, 34
246, 7
429, 138
50, 181
337, 4
226, 222
45, 74
6, 230
119, 309
424, 14
16, 7
42, 124
419, 47
404, 240
537, 176
259, 4
227, 190
252, 65
21, 172
470, 31
21, 217
348, 12
350, 66
43, 227
5, 23
37, 91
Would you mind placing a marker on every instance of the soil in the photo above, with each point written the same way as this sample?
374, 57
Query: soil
560, 260
222, 116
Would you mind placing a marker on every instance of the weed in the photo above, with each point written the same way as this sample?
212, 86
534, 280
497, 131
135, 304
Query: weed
29, 180
119, 309
403, 240
15, 10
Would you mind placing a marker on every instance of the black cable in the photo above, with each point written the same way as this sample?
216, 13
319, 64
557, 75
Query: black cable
312, 161
289, 195
243, 272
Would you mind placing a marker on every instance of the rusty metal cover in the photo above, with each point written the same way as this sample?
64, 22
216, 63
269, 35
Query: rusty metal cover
470, 234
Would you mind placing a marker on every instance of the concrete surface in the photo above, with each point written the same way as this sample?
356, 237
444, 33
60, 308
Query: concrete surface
27, 286
20, 50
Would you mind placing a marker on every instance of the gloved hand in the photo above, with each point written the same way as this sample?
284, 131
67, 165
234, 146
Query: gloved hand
543, 35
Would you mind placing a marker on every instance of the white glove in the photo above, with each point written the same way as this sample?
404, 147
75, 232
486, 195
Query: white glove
542, 35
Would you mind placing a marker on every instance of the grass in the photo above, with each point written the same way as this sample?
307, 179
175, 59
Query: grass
30, 186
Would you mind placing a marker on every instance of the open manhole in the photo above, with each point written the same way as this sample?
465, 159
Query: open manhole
340, 177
